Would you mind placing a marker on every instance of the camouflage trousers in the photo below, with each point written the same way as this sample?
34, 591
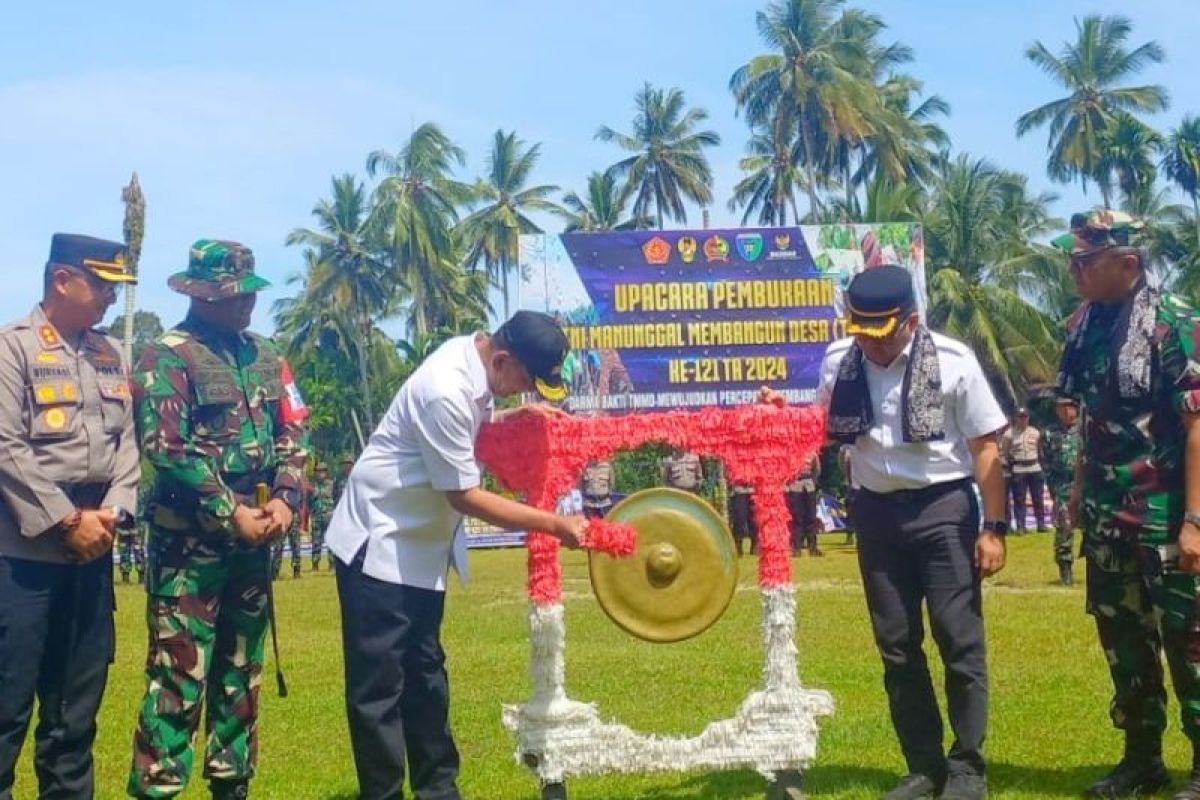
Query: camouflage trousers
131, 551
207, 617
1144, 608
292, 539
319, 525
1064, 535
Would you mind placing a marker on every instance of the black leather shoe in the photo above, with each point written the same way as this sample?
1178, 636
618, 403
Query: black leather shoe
1191, 791
965, 787
786, 785
913, 787
229, 790
1131, 778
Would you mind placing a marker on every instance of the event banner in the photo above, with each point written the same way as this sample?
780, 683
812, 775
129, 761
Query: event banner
676, 319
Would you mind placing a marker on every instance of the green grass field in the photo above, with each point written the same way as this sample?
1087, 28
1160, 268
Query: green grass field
1049, 736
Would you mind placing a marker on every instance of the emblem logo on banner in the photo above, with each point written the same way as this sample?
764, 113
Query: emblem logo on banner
687, 249
716, 248
657, 251
749, 245
783, 247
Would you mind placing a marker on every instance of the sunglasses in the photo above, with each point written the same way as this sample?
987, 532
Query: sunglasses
1085, 260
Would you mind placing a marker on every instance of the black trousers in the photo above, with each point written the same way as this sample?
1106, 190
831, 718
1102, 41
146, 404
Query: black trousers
918, 548
397, 695
1033, 483
56, 642
803, 508
741, 517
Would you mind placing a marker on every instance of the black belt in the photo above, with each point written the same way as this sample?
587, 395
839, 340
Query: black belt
925, 494
86, 495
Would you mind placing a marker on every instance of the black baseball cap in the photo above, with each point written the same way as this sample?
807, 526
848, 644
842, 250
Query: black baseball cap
540, 345
879, 299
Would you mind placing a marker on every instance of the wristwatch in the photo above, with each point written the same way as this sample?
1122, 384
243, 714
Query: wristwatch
1192, 517
125, 519
996, 526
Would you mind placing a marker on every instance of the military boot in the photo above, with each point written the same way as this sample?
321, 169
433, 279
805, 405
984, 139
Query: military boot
1191, 791
1066, 575
296, 571
229, 790
124, 576
1141, 770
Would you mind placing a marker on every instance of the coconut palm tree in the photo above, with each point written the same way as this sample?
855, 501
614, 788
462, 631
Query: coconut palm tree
1181, 161
416, 206
977, 225
817, 79
773, 176
493, 231
346, 273
907, 143
1128, 151
1091, 69
666, 165
602, 209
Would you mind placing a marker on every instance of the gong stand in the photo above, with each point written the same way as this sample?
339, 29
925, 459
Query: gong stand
775, 728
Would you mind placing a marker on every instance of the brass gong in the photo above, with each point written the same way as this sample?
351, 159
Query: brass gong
682, 575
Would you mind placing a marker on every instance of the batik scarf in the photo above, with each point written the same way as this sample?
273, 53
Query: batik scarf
851, 413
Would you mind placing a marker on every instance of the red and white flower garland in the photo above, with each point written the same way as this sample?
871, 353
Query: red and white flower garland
761, 446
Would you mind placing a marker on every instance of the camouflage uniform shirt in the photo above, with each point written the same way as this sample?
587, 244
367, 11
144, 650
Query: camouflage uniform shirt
1061, 447
209, 410
1134, 472
321, 501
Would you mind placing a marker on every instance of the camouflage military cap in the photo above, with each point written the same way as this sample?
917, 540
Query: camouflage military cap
216, 270
1099, 228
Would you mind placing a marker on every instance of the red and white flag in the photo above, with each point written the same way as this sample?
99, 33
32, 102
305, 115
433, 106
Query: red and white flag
291, 407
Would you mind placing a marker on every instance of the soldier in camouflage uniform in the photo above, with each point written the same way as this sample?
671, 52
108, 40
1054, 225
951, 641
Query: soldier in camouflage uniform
320, 509
292, 541
218, 415
1060, 450
1131, 359
131, 549
339, 481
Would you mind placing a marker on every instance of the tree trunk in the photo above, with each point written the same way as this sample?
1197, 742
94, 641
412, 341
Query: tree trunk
504, 286
806, 136
363, 373
1196, 213
850, 215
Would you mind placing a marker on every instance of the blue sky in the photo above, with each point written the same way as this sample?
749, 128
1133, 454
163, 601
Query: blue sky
236, 114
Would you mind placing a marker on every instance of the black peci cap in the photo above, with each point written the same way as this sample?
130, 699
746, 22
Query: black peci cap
878, 299
540, 345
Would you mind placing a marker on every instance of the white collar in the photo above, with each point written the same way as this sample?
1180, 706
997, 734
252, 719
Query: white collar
478, 372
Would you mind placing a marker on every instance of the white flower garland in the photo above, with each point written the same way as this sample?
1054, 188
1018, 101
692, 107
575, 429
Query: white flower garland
774, 729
